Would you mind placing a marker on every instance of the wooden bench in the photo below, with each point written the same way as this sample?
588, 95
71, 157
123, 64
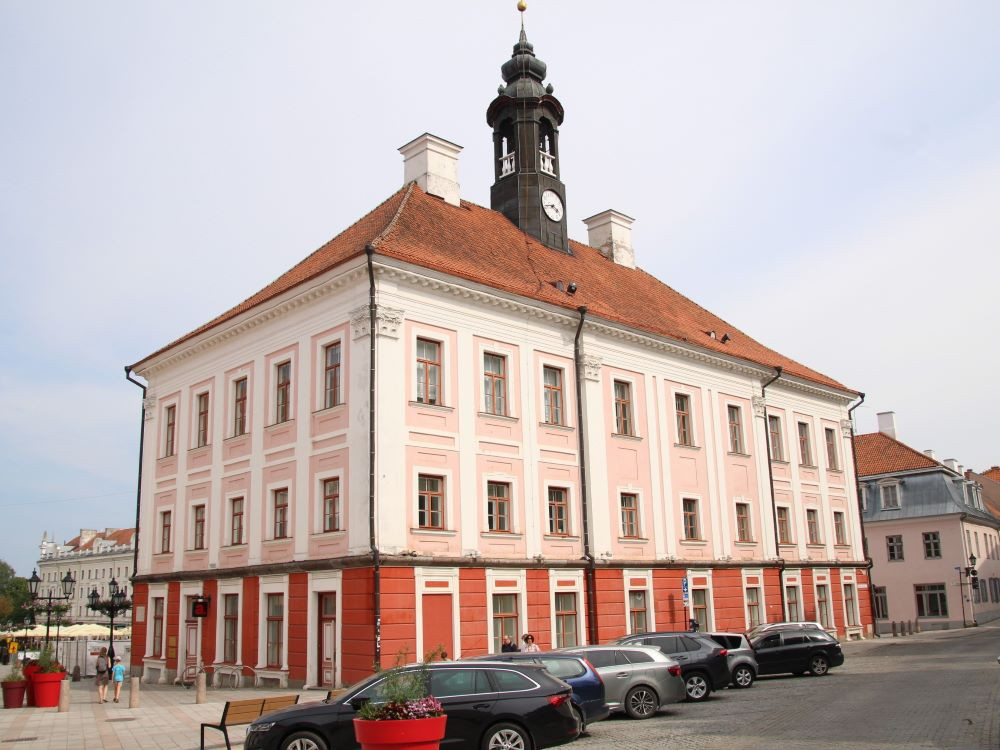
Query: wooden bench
243, 712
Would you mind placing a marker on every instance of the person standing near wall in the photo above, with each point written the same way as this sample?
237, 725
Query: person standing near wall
101, 680
118, 677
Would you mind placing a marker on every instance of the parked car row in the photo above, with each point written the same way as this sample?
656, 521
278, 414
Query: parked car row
525, 701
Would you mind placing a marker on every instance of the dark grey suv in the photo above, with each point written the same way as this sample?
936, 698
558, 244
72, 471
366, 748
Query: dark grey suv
704, 665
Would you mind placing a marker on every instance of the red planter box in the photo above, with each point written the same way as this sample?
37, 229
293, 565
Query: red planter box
46, 688
400, 734
28, 671
13, 694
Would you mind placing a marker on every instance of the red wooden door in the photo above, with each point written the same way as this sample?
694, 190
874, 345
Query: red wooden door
438, 632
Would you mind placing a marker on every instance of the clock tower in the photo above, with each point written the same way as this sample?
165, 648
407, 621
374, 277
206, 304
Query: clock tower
525, 118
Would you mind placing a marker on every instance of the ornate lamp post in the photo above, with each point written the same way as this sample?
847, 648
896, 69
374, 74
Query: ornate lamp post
68, 582
117, 603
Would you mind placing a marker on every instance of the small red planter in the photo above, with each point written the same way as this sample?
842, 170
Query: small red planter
29, 670
46, 688
13, 693
400, 734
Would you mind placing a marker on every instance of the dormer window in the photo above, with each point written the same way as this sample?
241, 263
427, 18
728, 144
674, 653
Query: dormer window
889, 494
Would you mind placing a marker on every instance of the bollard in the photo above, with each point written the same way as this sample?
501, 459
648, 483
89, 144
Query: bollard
894, 629
76, 673
63, 697
909, 627
916, 625
199, 688
133, 693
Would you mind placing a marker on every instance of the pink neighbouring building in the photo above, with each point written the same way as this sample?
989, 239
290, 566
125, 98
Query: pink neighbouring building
451, 423
928, 529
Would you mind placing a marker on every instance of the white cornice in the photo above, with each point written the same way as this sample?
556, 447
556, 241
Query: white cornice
251, 319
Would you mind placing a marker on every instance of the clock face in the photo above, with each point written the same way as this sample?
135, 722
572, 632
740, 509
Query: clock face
552, 205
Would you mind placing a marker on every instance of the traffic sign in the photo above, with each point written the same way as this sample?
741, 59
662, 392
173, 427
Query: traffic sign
684, 588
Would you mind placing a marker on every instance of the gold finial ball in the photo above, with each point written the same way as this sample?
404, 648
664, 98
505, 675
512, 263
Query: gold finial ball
522, 6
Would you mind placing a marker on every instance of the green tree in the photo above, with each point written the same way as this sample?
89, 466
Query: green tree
13, 598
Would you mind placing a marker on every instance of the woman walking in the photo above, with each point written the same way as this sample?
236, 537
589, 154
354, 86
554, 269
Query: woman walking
102, 675
118, 677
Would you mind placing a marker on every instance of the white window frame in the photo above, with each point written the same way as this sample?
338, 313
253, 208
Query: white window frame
201, 389
709, 590
277, 584
515, 493
567, 413
577, 588
269, 489
443, 340
448, 492
229, 497
571, 530
317, 515
647, 586
899, 494
192, 504
510, 380
761, 602
520, 589
628, 489
174, 401
674, 393
229, 586
633, 388
743, 429
319, 354
736, 521
277, 361
241, 373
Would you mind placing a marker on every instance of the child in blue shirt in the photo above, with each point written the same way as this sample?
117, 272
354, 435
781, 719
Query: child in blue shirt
118, 677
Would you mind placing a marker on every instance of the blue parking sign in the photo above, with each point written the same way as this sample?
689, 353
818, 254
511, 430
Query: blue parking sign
684, 588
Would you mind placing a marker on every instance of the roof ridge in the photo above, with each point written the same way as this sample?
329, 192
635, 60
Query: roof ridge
395, 217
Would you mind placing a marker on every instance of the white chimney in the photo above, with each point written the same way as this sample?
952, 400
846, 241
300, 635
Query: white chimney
961, 469
611, 233
887, 423
951, 463
433, 163
930, 454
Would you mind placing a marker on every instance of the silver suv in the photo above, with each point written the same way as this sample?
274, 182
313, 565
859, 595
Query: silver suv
742, 659
638, 680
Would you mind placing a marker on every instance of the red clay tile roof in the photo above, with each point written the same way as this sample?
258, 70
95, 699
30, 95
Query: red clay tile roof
993, 473
991, 488
474, 243
877, 453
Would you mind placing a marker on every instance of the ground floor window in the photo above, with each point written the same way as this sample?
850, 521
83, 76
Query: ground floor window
881, 603
850, 605
158, 627
504, 619
699, 605
792, 603
230, 627
753, 606
932, 601
275, 629
823, 605
566, 620
637, 611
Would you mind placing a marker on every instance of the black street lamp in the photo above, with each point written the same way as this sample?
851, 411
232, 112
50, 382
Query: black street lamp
68, 582
117, 603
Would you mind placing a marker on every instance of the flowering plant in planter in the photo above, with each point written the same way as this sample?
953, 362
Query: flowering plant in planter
406, 696
47, 663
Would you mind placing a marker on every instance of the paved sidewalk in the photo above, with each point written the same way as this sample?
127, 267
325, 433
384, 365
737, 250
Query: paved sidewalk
167, 719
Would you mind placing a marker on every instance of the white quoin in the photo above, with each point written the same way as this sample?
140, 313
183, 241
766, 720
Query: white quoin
611, 232
432, 163
887, 424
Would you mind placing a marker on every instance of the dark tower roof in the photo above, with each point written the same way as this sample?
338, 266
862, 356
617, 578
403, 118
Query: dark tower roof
523, 73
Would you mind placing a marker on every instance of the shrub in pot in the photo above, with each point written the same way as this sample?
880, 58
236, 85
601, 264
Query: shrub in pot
14, 687
409, 717
45, 681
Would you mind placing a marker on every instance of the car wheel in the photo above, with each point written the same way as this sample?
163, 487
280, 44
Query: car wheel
697, 686
303, 741
579, 719
641, 702
818, 665
506, 737
743, 677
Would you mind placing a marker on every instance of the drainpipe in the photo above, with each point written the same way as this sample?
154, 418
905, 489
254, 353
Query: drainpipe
373, 546
869, 563
774, 505
138, 484
588, 554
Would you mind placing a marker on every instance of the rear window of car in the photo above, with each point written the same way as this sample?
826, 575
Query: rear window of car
604, 657
637, 657
510, 681
688, 644
822, 637
564, 668
666, 643
793, 639
446, 682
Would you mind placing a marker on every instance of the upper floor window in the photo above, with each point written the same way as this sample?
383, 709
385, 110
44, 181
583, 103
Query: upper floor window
839, 528
428, 371
630, 515
552, 378
832, 458
331, 504
283, 392
805, 445
682, 405
774, 433
932, 545
201, 438
735, 429
623, 408
281, 530
430, 502
558, 512
890, 496
812, 526
239, 407
692, 525
236, 521
331, 375
498, 506
894, 547
170, 430
784, 526
744, 532
199, 527
166, 519
495, 384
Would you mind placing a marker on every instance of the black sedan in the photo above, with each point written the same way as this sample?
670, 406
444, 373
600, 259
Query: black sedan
796, 650
489, 706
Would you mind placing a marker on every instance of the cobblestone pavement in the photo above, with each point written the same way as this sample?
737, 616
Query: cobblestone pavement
933, 690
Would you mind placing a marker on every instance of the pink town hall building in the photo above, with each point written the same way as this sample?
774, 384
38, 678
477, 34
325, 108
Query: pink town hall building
452, 423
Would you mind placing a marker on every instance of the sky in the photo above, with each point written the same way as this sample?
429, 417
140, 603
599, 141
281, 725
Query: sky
825, 176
